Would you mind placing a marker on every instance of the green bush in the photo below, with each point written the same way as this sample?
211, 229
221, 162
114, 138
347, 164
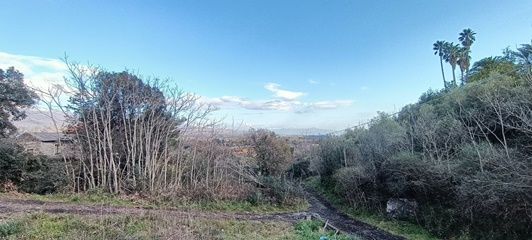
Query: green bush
357, 186
331, 155
273, 153
30, 173
443, 221
11, 167
282, 190
408, 175
255, 198
43, 175
299, 170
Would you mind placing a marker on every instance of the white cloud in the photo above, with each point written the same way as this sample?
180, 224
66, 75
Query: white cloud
231, 99
312, 106
313, 81
288, 95
267, 105
227, 102
38, 72
42, 73
331, 104
232, 102
286, 103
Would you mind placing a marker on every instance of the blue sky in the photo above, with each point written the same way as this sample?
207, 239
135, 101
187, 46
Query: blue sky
274, 64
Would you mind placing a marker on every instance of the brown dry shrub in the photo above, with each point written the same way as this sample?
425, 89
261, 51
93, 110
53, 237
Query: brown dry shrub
8, 187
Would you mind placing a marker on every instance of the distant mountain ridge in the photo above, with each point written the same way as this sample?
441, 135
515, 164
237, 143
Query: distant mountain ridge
300, 131
40, 121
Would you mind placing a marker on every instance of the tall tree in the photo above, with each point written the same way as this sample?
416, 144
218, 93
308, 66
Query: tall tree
439, 49
14, 96
524, 56
451, 56
273, 154
467, 37
463, 62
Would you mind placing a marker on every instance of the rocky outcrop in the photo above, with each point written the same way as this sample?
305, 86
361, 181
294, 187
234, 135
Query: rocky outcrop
401, 208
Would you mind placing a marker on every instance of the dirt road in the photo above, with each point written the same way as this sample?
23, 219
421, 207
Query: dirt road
318, 209
324, 211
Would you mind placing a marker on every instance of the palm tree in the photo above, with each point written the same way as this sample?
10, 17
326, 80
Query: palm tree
451, 56
463, 63
524, 56
467, 37
486, 66
439, 49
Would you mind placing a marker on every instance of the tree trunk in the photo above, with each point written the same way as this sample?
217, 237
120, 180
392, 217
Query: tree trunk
442, 72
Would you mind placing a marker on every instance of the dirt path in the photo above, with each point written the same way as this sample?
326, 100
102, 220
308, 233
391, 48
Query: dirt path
14, 206
324, 211
318, 208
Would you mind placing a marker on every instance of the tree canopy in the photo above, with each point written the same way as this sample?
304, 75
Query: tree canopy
273, 154
14, 96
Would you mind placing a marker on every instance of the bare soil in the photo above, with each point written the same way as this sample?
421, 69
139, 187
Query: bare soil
319, 208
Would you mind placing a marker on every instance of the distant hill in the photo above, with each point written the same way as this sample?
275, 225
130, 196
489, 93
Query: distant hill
300, 131
39, 121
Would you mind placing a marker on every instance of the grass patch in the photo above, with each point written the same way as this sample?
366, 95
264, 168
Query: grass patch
313, 229
148, 226
400, 228
9, 228
151, 226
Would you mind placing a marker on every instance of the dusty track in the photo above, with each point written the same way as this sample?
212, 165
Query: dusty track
13, 206
322, 210
318, 208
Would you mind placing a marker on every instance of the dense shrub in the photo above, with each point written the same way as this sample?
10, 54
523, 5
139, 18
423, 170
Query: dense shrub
255, 197
496, 199
43, 175
273, 153
407, 175
444, 221
30, 173
281, 190
357, 186
331, 156
299, 170
10, 165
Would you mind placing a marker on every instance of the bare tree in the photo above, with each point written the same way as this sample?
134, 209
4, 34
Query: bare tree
130, 132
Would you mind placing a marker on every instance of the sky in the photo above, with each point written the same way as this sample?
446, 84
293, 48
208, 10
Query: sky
264, 64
